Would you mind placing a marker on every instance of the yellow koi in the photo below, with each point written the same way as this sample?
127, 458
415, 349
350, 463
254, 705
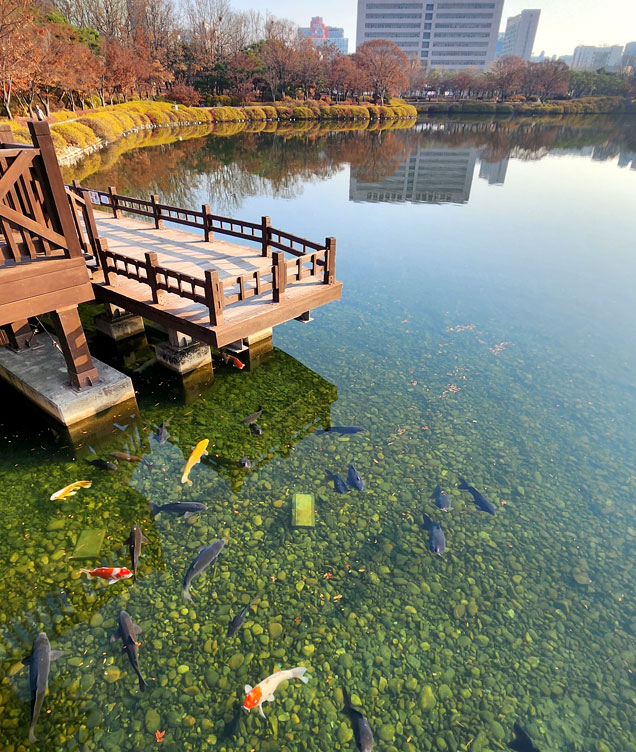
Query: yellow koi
199, 450
71, 489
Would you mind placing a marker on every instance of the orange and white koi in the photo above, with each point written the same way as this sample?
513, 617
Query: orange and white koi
110, 574
199, 450
71, 489
237, 363
264, 692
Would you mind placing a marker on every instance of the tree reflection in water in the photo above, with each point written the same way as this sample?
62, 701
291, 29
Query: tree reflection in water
238, 161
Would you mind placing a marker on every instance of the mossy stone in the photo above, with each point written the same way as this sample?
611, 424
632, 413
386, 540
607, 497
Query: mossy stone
386, 732
427, 699
275, 629
345, 733
153, 720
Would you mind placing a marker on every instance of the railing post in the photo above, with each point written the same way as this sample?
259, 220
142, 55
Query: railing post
156, 211
113, 201
158, 296
207, 223
102, 248
89, 218
330, 261
265, 229
60, 209
214, 296
280, 276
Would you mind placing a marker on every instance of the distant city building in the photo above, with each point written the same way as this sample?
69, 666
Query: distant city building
629, 55
499, 45
447, 35
588, 57
567, 59
521, 31
322, 35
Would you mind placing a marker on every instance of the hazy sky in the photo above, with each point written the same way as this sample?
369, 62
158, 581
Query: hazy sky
563, 23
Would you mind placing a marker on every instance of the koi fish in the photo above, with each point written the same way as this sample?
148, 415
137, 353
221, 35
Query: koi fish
480, 500
264, 692
128, 632
39, 663
238, 620
126, 457
253, 417
102, 464
207, 555
199, 450
134, 541
227, 358
71, 489
110, 574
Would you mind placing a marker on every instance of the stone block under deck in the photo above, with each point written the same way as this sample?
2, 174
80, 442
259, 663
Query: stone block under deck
182, 354
40, 374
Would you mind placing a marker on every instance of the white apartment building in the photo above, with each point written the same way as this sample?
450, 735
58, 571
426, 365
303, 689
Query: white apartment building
588, 57
521, 31
443, 34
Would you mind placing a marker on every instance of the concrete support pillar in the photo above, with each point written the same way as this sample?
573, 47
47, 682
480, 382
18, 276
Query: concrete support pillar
117, 323
182, 354
258, 344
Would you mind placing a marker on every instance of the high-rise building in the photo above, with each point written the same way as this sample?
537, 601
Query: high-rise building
588, 57
520, 33
443, 34
322, 35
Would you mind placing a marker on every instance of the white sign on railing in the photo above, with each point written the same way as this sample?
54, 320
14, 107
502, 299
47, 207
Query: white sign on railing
93, 197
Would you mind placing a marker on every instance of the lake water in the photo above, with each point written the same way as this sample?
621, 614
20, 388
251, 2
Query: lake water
487, 330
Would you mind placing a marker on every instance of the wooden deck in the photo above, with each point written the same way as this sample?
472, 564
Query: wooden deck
189, 256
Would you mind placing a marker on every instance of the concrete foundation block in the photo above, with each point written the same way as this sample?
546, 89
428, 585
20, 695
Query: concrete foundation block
40, 374
183, 359
119, 327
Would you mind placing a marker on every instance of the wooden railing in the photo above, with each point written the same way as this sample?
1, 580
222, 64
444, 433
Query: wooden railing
310, 260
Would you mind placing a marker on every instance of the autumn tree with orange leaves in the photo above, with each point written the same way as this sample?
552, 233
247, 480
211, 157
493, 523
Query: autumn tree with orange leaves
384, 67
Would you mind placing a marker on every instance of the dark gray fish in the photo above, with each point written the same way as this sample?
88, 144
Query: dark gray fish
134, 541
161, 435
361, 729
354, 480
480, 500
102, 464
441, 499
340, 429
245, 462
39, 663
238, 620
436, 539
128, 633
207, 555
521, 742
256, 429
185, 508
338, 484
253, 417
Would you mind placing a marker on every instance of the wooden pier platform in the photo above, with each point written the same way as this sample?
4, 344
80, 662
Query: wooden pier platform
214, 290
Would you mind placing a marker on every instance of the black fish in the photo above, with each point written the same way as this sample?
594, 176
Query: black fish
340, 429
128, 633
437, 539
481, 501
245, 462
161, 435
521, 742
253, 417
185, 508
354, 480
39, 663
238, 620
338, 484
361, 729
102, 464
134, 541
256, 429
441, 499
207, 555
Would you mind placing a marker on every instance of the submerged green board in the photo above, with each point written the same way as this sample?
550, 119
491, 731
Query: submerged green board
303, 510
89, 544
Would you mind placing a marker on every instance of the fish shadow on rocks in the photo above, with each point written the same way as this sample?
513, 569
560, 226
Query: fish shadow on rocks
233, 723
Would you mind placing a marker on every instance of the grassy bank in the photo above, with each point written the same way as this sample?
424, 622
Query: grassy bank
584, 106
77, 134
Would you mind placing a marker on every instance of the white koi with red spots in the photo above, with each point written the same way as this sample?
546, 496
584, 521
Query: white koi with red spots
264, 692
